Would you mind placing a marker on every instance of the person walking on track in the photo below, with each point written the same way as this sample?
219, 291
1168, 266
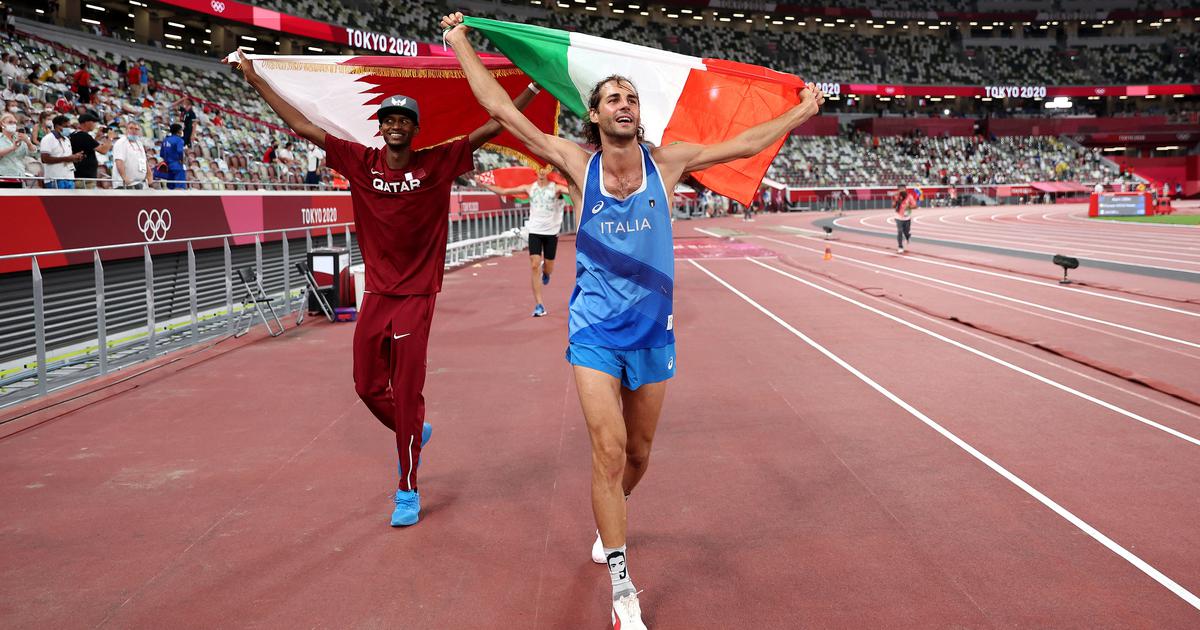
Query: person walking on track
903, 206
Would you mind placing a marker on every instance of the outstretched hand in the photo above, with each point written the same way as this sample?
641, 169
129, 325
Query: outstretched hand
246, 66
452, 26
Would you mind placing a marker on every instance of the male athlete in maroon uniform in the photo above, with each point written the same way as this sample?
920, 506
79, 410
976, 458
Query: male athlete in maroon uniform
401, 197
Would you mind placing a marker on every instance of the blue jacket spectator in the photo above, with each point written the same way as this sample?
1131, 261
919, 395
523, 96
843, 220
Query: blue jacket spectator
172, 154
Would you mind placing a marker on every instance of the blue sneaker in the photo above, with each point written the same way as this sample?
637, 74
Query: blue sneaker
539, 311
408, 508
545, 278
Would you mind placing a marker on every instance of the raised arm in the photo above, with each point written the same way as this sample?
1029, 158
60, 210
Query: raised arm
567, 156
515, 190
290, 115
688, 157
491, 128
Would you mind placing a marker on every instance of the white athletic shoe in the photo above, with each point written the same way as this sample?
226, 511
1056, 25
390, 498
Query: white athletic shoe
627, 613
598, 551
900, 250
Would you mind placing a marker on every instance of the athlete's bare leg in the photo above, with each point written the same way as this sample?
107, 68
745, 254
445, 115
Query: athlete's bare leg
615, 433
641, 410
535, 275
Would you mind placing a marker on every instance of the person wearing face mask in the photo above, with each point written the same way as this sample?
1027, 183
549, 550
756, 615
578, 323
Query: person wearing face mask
83, 142
57, 156
129, 160
14, 146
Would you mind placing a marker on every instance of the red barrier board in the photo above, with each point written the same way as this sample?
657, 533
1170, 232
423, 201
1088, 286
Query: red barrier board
54, 220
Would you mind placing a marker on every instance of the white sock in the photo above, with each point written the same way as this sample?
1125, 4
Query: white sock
618, 571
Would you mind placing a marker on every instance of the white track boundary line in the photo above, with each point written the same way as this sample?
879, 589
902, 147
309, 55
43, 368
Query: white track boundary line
1086, 318
1016, 368
1096, 535
1006, 276
996, 245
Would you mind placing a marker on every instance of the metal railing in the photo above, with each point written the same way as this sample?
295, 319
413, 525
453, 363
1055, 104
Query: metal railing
99, 323
37, 182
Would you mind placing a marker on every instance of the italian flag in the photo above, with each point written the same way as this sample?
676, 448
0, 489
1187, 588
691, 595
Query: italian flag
683, 99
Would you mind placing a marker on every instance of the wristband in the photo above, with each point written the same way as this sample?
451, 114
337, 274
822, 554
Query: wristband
533, 86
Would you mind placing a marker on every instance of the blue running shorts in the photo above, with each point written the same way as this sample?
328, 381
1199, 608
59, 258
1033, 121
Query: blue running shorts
633, 367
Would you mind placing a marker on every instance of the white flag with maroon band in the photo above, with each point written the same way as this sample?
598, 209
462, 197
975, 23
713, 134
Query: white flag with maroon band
340, 94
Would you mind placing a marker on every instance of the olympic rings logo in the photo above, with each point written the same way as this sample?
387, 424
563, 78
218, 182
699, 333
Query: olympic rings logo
154, 224
218, 6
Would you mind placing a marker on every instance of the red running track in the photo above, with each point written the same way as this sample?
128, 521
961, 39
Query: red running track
831, 455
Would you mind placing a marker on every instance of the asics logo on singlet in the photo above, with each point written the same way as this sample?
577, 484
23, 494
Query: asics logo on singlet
598, 207
621, 227
671, 364
410, 183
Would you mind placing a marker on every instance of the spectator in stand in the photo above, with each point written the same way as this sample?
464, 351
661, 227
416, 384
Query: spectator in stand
14, 146
133, 77
284, 156
10, 22
129, 160
57, 156
143, 77
188, 115
316, 160
82, 84
82, 141
13, 76
47, 74
172, 154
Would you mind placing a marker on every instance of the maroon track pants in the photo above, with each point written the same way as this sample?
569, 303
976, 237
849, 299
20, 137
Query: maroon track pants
391, 339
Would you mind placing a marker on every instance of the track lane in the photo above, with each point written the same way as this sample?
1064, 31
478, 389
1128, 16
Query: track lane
1043, 463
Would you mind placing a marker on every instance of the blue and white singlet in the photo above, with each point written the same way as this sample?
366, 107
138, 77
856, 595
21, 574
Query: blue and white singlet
624, 264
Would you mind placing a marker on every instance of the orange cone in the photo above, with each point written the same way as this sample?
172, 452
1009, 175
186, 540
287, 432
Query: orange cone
828, 253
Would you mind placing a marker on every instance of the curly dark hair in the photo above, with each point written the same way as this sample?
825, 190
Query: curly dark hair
591, 130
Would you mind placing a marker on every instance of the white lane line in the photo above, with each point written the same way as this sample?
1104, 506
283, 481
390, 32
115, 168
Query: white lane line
996, 243
1006, 276
998, 296
1116, 244
1096, 535
1016, 368
1082, 243
1015, 349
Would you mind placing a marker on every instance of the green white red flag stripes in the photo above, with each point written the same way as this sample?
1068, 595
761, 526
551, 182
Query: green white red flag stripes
683, 99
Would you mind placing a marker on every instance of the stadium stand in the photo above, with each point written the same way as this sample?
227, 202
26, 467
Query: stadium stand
237, 140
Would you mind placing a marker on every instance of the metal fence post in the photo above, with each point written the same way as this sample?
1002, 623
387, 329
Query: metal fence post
39, 328
149, 263
328, 237
349, 244
101, 318
258, 257
228, 286
191, 259
287, 276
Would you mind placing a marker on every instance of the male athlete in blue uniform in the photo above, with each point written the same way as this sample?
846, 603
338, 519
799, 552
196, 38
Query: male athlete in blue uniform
622, 340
